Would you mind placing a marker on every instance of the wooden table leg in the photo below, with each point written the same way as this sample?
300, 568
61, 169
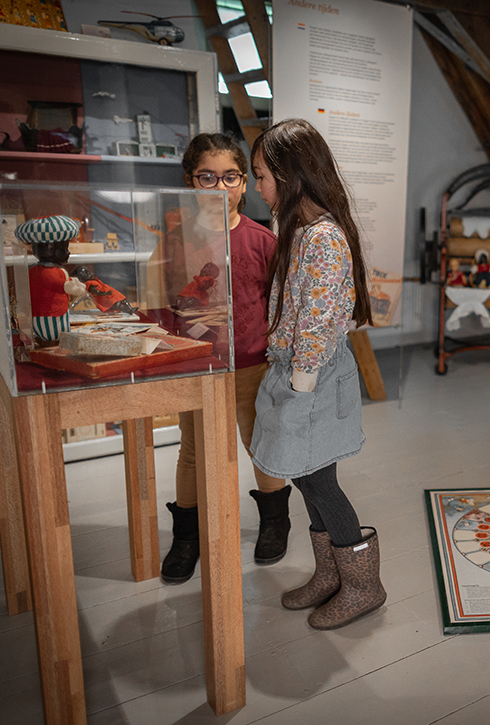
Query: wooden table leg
42, 473
368, 364
139, 461
219, 528
12, 533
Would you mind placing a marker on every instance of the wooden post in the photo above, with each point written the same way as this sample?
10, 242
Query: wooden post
219, 528
43, 485
242, 105
261, 30
367, 363
12, 533
139, 462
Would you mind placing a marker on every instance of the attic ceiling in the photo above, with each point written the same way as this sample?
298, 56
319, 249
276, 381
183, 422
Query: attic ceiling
460, 43
456, 31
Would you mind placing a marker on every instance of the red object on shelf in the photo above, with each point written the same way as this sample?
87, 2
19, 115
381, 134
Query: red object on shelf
41, 156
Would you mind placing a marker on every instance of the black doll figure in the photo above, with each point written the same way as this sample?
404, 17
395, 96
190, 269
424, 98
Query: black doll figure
105, 297
50, 284
480, 271
196, 294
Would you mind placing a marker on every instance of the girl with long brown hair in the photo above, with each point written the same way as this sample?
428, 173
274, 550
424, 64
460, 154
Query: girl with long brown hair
308, 405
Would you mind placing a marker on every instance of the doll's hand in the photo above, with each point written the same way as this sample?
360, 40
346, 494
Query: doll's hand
74, 287
96, 292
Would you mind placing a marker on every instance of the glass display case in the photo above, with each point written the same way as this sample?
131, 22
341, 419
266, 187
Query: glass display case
108, 285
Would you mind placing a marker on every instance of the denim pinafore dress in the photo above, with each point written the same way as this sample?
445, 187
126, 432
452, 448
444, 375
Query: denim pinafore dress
295, 433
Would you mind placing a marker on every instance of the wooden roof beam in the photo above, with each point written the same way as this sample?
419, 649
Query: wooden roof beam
470, 89
456, 40
232, 29
478, 8
261, 31
467, 42
242, 105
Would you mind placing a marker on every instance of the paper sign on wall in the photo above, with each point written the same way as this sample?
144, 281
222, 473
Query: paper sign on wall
351, 79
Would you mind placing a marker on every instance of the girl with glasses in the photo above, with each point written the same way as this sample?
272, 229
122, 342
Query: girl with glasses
215, 161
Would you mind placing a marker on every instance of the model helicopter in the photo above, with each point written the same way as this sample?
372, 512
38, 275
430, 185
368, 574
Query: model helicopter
160, 30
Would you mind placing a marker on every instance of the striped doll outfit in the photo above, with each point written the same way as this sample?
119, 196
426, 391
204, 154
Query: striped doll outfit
49, 328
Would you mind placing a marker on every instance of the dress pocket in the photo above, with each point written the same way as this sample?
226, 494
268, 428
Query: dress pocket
347, 393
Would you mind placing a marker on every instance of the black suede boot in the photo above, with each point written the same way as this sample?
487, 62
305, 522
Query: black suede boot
273, 508
180, 562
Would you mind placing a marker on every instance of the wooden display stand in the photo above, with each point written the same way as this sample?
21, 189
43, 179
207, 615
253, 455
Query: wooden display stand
32, 425
368, 364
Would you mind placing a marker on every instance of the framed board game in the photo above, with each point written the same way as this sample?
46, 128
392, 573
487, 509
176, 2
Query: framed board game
460, 530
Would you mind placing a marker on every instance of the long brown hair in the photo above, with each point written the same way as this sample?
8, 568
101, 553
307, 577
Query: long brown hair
213, 143
304, 169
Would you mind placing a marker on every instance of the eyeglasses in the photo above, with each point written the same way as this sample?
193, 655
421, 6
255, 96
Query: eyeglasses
210, 181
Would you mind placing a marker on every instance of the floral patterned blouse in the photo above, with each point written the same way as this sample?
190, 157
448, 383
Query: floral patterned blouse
319, 296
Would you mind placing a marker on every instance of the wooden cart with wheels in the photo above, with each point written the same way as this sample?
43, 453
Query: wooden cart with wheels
463, 288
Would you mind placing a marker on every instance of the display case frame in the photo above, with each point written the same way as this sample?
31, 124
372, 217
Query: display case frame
162, 259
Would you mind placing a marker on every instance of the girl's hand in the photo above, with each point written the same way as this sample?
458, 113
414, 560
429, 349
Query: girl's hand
302, 382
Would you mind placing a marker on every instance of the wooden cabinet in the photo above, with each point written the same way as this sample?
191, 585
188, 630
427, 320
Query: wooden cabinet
110, 82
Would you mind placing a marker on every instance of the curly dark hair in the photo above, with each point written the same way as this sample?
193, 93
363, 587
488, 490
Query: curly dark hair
304, 168
213, 143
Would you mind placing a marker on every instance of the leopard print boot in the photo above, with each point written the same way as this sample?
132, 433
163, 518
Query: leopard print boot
361, 590
324, 583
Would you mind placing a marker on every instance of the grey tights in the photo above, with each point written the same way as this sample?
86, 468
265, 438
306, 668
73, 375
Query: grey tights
328, 507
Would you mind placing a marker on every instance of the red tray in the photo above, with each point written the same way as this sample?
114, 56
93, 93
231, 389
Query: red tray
102, 367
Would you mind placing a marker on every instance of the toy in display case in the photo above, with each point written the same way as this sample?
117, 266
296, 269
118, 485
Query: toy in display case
157, 306
51, 127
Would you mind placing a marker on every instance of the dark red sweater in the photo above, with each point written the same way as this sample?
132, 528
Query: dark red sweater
251, 247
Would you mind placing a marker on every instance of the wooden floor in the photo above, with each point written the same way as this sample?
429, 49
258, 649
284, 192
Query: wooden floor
142, 643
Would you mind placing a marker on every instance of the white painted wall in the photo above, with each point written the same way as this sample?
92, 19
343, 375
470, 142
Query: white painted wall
442, 145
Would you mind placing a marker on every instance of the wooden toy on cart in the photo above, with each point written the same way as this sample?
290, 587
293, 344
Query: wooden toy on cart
480, 271
455, 276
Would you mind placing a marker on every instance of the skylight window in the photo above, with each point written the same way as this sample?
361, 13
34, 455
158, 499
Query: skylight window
222, 87
245, 52
243, 48
260, 89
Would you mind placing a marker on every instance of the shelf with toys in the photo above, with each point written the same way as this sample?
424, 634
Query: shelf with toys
119, 112
464, 267
34, 156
